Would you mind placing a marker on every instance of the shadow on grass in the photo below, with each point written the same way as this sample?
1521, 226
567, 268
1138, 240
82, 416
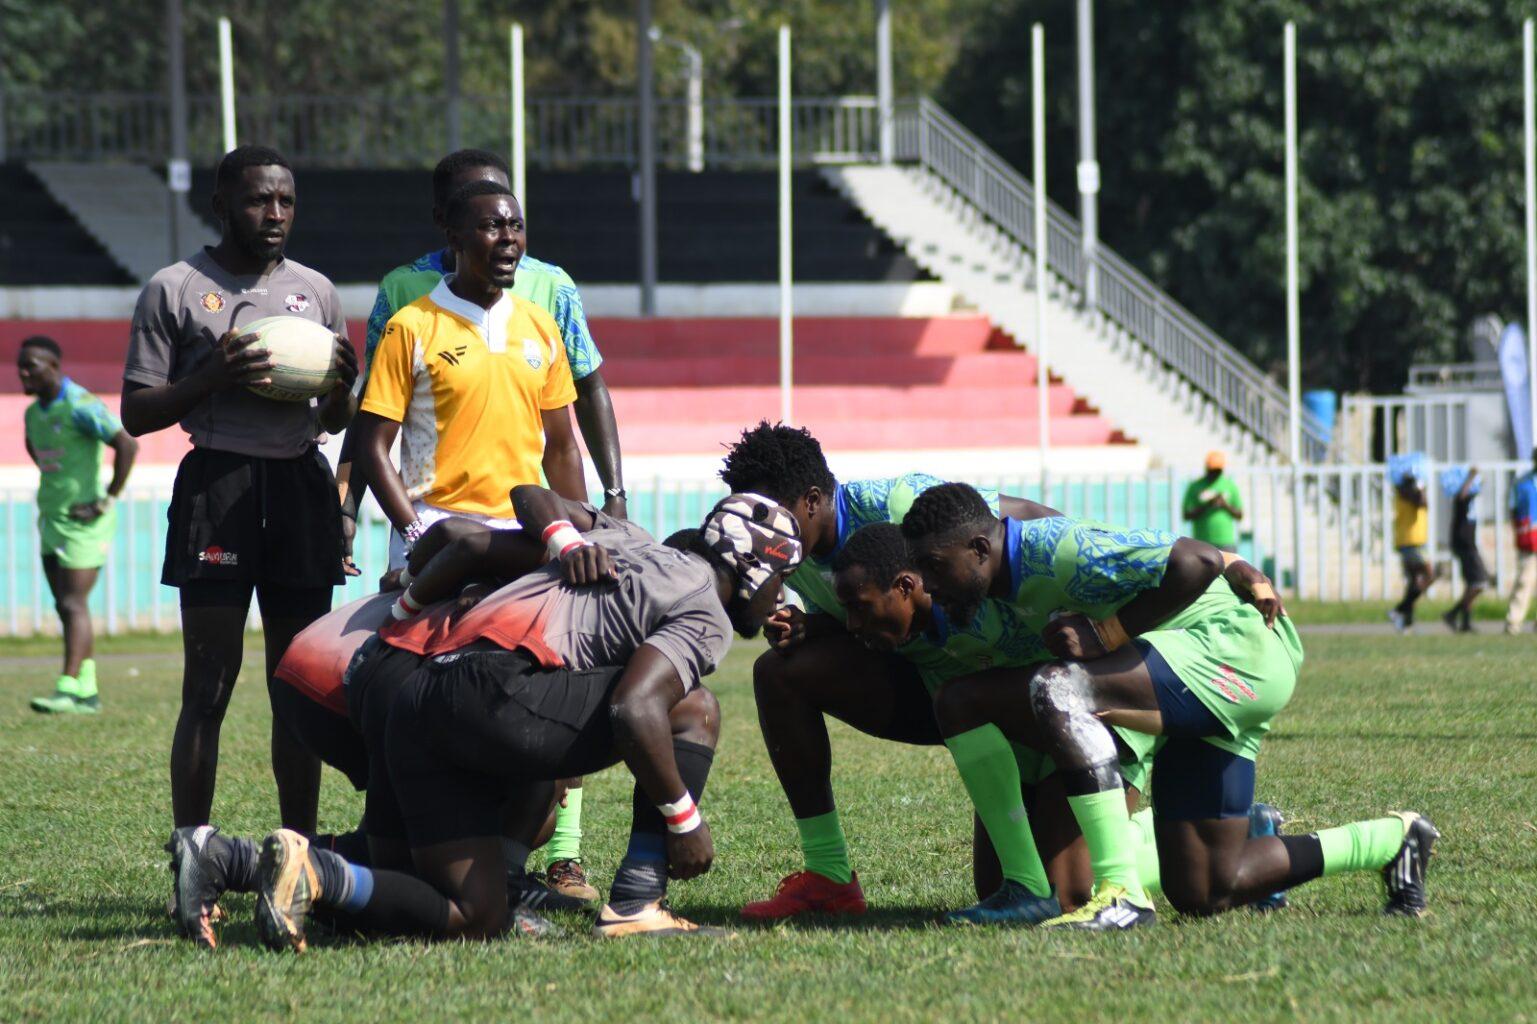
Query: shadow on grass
874, 919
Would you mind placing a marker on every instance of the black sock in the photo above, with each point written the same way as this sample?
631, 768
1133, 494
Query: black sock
403, 904
335, 879
239, 856
1307, 858
642, 875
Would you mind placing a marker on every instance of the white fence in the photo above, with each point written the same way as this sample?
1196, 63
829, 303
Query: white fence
1346, 551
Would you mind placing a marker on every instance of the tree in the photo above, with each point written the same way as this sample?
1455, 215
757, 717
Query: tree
1410, 163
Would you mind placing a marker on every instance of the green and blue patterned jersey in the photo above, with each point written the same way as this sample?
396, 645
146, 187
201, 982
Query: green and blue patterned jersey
860, 503
1060, 564
544, 284
66, 437
996, 638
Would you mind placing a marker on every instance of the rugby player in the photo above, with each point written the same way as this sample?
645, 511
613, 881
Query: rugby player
1149, 635
65, 430
254, 506
544, 680
816, 667
881, 591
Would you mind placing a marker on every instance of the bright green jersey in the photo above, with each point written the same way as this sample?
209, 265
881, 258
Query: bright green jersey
996, 638
1217, 525
860, 503
544, 284
1218, 647
66, 437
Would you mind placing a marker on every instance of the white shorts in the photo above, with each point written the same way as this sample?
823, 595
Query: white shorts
429, 514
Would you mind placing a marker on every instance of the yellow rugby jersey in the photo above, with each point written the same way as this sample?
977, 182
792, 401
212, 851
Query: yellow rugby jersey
468, 386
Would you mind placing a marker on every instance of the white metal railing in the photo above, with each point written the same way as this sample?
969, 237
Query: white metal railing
1346, 553
409, 130
939, 143
1455, 377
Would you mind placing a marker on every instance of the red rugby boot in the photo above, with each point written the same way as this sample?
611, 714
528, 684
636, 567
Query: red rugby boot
807, 892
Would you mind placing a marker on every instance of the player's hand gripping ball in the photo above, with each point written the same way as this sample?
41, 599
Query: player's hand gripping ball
303, 355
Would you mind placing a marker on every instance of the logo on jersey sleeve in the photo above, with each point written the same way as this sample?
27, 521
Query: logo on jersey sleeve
533, 353
297, 302
212, 301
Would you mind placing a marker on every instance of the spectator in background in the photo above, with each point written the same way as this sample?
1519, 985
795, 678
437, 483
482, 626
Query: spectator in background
1411, 533
66, 429
1213, 505
1523, 516
1464, 538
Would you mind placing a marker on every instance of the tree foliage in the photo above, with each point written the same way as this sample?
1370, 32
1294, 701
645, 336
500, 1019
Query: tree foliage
1410, 163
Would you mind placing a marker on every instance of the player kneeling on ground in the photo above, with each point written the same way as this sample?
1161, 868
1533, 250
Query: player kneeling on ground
549, 678
1151, 636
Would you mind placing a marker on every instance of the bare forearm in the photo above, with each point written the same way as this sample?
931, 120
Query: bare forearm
148, 409
1193, 566
642, 731
563, 469
595, 417
536, 508
388, 487
124, 451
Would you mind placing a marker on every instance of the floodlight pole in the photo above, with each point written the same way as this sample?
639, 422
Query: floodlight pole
1038, 156
1293, 303
786, 153
883, 91
227, 83
519, 154
646, 103
1088, 166
1530, 84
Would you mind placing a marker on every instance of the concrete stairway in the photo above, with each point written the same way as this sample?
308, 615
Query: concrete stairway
1097, 359
124, 207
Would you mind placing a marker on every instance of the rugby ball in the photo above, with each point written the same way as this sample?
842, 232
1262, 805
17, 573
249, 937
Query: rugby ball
303, 357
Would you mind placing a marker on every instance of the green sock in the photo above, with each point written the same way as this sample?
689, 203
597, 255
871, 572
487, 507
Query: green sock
566, 843
1147, 851
1108, 831
69, 685
988, 768
1361, 845
823, 846
87, 678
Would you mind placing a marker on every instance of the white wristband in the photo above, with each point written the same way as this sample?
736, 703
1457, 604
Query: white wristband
560, 537
681, 815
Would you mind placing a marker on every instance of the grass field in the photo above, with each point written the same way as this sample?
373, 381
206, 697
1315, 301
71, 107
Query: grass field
1443, 724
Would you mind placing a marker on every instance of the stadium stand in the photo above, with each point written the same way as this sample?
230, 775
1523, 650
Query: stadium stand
41, 243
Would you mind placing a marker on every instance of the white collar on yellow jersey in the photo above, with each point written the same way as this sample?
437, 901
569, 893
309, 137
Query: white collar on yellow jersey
492, 323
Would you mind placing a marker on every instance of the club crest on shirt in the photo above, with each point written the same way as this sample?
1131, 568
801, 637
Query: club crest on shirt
297, 302
212, 301
533, 353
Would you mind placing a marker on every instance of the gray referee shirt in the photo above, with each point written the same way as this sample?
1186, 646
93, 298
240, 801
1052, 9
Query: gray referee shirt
181, 314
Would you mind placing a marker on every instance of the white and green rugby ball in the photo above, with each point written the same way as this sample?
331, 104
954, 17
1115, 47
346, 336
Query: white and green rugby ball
302, 354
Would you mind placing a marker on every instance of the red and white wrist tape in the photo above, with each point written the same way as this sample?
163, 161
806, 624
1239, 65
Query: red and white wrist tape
560, 537
681, 816
405, 606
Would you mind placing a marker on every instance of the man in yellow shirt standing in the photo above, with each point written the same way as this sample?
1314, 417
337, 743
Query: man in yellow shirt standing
1411, 534
476, 383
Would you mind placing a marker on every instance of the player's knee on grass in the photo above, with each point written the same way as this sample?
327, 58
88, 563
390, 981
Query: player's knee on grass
1062, 700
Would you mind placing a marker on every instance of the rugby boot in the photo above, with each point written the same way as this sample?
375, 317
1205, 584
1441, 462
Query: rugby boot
807, 892
569, 878
1110, 909
198, 858
528, 925
1405, 873
287, 887
1265, 820
70, 696
1011, 904
530, 892
651, 919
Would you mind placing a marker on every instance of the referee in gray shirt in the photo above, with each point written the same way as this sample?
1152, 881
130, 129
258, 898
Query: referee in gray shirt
254, 508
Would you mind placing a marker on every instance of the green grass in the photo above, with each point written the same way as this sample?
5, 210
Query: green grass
1427, 612
1444, 724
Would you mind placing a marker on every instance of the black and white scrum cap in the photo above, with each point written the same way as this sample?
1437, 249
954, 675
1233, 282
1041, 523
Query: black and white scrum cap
755, 536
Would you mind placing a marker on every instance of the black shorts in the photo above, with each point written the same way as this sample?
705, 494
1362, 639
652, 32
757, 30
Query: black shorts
242, 519
375, 675
1474, 572
470, 726
1195, 781
323, 732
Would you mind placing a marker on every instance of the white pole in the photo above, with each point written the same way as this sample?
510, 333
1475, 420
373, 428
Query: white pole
695, 109
883, 93
519, 156
786, 330
1038, 147
1293, 327
227, 82
1531, 227
1088, 165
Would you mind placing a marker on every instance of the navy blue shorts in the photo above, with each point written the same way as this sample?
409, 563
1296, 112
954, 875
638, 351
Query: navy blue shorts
1193, 780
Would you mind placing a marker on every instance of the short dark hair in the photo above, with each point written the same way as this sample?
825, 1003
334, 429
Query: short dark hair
777, 461
450, 166
45, 343
682, 540
460, 200
238, 159
944, 510
880, 550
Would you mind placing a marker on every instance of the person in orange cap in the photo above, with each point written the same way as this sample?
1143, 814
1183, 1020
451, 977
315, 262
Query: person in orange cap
1213, 506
